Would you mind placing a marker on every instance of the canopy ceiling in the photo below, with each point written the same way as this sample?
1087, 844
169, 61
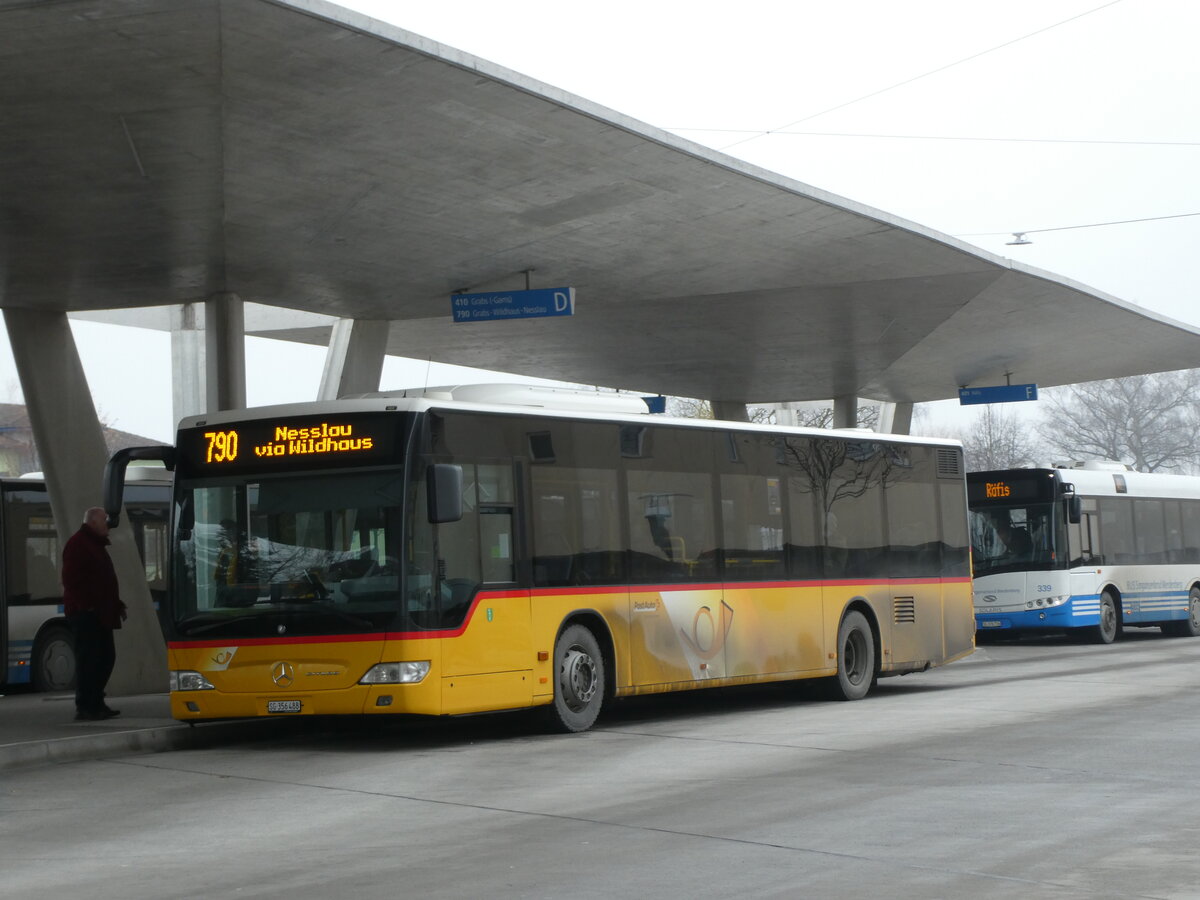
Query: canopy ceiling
306, 157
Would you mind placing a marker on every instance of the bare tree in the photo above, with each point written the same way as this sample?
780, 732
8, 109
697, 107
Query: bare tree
688, 408
998, 439
1149, 421
822, 417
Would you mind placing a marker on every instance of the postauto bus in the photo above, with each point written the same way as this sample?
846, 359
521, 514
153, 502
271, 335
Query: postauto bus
1088, 548
446, 553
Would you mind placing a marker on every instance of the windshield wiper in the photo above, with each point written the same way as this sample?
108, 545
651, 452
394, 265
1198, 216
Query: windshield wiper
205, 624
356, 621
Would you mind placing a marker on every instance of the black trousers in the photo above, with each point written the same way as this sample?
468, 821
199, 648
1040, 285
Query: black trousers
95, 655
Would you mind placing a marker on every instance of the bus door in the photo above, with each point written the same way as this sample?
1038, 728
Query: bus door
484, 618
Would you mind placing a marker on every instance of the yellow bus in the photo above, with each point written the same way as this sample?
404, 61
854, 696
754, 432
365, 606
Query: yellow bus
442, 554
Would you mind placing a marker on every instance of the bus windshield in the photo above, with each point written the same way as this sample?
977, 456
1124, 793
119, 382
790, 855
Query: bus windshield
294, 556
1019, 537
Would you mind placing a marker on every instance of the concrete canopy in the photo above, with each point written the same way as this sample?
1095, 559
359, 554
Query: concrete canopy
302, 156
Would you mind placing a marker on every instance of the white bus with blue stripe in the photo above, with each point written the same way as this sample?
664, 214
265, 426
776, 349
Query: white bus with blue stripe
1089, 548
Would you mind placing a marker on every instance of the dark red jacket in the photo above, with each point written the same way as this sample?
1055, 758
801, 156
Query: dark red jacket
89, 579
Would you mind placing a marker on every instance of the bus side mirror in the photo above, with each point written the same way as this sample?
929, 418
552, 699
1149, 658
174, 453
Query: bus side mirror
1074, 510
445, 491
114, 475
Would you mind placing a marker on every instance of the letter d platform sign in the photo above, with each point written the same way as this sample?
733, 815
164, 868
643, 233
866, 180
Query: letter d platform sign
513, 305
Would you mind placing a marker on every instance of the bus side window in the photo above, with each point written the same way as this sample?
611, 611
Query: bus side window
477, 549
1190, 510
914, 538
1116, 531
495, 485
852, 494
752, 518
32, 547
671, 526
575, 518
1149, 532
1174, 521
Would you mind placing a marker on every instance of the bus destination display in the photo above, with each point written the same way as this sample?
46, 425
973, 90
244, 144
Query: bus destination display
270, 445
1011, 488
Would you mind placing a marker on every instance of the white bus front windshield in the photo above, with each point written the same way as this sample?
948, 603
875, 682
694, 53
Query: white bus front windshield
1017, 538
288, 556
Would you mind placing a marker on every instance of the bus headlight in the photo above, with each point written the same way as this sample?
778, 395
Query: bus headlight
1057, 600
396, 673
187, 680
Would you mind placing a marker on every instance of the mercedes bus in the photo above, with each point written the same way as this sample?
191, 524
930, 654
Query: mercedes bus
1086, 548
493, 548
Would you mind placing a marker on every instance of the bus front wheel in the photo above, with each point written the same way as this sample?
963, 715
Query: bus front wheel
578, 680
1106, 631
856, 658
1189, 627
53, 660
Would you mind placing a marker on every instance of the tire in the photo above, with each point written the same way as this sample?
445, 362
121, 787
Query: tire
856, 658
1189, 627
1110, 623
578, 680
53, 661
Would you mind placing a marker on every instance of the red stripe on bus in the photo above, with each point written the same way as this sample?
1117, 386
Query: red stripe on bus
457, 631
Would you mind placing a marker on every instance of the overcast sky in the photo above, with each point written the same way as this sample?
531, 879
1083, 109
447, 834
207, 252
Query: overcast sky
1048, 117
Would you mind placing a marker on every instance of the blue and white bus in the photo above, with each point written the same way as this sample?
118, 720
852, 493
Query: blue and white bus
1090, 549
39, 644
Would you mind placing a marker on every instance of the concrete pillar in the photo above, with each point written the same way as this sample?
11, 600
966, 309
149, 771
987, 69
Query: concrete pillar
730, 410
188, 372
845, 411
71, 443
895, 418
354, 361
225, 352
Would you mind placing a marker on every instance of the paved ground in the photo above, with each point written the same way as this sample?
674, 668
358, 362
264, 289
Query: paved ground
41, 728
1045, 770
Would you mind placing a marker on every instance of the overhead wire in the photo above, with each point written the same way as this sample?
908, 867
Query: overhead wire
937, 137
908, 81
1072, 227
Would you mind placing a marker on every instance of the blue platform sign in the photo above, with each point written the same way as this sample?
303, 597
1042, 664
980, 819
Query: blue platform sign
513, 305
1000, 393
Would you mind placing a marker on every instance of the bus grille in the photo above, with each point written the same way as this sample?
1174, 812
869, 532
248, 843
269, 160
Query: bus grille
904, 611
949, 463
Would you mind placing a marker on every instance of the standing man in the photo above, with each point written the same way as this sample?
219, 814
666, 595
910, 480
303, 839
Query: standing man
92, 603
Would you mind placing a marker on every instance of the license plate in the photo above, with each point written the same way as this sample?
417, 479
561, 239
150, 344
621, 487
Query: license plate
991, 623
283, 706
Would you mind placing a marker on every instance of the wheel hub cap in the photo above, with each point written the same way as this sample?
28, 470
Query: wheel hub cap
578, 678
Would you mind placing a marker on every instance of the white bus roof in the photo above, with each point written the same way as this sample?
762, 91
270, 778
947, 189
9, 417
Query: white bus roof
532, 401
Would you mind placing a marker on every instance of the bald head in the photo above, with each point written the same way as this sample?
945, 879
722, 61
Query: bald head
97, 520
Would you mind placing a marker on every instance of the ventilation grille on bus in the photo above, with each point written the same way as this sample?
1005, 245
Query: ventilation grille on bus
904, 611
949, 463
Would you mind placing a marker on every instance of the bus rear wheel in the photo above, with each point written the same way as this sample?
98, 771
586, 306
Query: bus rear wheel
53, 661
1106, 631
856, 658
578, 680
1189, 627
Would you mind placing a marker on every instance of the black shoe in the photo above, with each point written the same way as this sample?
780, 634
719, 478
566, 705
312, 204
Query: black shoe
107, 712
89, 715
